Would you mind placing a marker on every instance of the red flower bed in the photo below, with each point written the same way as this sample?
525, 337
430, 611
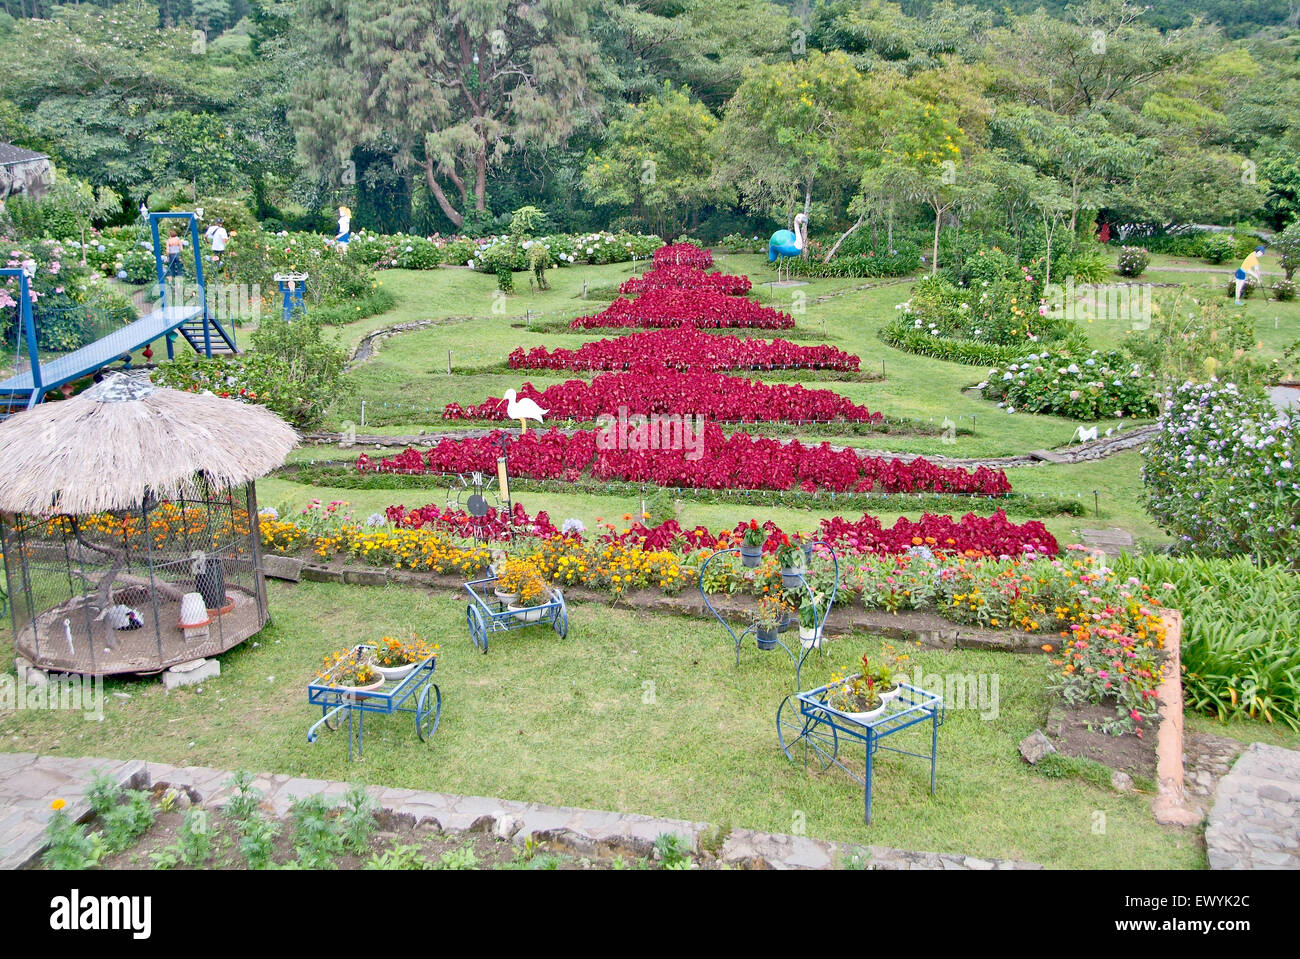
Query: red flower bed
715, 461
686, 348
651, 387
674, 277
702, 308
972, 534
494, 525
683, 254
987, 535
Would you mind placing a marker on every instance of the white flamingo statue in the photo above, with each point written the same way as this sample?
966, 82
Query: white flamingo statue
522, 410
785, 244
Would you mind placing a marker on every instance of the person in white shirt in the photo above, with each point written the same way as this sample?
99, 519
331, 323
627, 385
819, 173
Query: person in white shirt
217, 236
345, 229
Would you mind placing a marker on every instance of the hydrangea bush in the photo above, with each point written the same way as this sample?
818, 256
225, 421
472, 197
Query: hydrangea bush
1085, 386
1221, 475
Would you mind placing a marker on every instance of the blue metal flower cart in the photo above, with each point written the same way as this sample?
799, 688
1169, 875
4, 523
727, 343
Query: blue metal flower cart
338, 703
486, 616
809, 729
805, 646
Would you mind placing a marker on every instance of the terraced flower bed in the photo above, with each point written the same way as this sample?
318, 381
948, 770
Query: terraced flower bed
652, 387
701, 308
712, 460
685, 348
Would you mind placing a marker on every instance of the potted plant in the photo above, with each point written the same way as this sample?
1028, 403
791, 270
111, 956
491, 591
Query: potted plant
791, 600
791, 559
510, 574
352, 671
887, 671
811, 623
770, 614
533, 595
751, 544
855, 697
396, 658
805, 544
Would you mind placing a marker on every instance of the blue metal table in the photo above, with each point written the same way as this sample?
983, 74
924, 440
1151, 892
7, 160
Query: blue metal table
806, 647
338, 703
809, 728
487, 616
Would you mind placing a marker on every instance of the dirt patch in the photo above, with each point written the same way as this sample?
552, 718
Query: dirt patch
1075, 731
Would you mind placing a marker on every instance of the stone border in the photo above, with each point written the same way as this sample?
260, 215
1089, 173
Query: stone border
583, 832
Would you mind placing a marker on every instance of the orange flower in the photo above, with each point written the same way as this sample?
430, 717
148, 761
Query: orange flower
57, 805
1047, 648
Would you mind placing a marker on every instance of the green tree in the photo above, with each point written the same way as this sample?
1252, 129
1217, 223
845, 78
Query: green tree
792, 128
451, 87
658, 161
82, 203
198, 148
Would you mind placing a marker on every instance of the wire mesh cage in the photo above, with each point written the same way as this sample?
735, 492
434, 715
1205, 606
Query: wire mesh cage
136, 590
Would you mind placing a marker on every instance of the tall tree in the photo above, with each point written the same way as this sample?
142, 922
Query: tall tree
658, 160
450, 86
792, 128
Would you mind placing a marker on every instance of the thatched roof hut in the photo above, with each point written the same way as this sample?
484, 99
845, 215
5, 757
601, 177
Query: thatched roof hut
124, 440
128, 519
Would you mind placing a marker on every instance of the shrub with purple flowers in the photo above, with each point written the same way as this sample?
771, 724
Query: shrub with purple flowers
1221, 473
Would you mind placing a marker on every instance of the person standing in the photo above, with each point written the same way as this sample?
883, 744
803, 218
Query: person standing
1249, 268
174, 245
217, 236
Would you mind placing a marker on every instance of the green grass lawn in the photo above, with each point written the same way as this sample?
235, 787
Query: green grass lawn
635, 711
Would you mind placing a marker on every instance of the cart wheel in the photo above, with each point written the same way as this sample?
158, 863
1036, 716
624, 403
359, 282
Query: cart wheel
426, 719
333, 722
560, 621
477, 628
803, 737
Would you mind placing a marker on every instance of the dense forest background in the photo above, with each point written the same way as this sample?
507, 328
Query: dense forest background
670, 116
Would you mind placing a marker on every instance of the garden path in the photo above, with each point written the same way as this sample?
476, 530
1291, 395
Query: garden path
1255, 822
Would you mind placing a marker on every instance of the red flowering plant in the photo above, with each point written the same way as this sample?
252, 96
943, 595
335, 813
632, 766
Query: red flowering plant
685, 348
683, 254
652, 387
753, 535
728, 462
673, 276
701, 308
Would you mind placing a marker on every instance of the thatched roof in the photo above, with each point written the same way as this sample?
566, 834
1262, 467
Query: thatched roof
125, 438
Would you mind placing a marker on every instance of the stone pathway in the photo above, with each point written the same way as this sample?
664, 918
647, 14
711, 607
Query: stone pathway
1255, 822
1207, 758
28, 784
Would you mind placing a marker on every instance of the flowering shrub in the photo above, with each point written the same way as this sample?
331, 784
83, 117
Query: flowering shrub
1084, 386
674, 277
706, 309
70, 305
651, 387
1133, 261
494, 525
1284, 290
739, 461
1221, 474
1003, 312
683, 254
686, 348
